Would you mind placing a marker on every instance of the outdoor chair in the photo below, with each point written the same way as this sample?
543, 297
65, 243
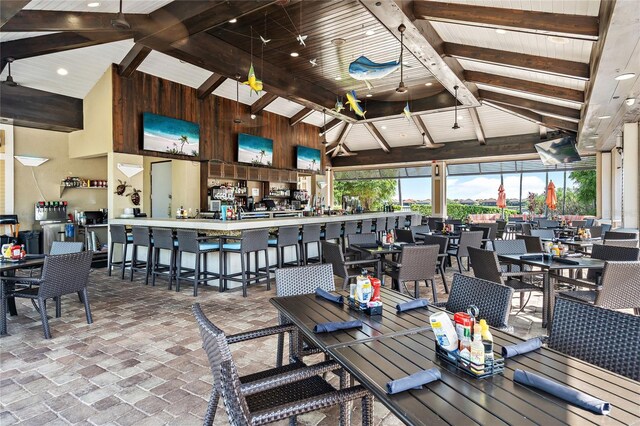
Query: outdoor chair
310, 234
579, 223
493, 300
61, 274
501, 229
301, 280
404, 236
617, 235
510, 247
65, 247
596, 231
621, 243
350, 228
485, 233
141, 238
365, 227
486, 266
589, 222
251, 241
163, 239
619, 288
190, 242
416, 263
534, 244
611, 253
288, 236
274, 394
419, 229
584, 331
346, 270
526, 228
606, 227
443, 243
546, 234
119, 236
545, 223
332, 231
467, 239
367, 239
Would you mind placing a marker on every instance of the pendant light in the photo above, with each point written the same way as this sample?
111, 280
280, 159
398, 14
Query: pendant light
120, 23
401, 87
455, 109
237, 119
9, 81
323, 135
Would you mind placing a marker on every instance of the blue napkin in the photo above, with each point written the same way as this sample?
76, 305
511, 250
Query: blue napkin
331, 297
412, 304
521, 348
328, 327
566, 261
561, 391
414, 381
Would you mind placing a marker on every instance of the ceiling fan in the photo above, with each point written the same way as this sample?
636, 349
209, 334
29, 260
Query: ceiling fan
119, 22
239, 117
9, 81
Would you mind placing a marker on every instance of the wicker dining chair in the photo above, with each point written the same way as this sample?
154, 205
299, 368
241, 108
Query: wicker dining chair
534, 244
65, 247
611, 253
492, 299
404, 236
419, 229
301, 280
579, 223
584, 331
595, 231
443, 243
345, 269
621, 243
501, 229
618, 235
368, 238
274, 394
350, 228
61, 274
467, 239
543, 233
510, 247
416, 263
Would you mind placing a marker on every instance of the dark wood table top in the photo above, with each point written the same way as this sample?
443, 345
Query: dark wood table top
574, 243
29, 262
551, 264
378, 250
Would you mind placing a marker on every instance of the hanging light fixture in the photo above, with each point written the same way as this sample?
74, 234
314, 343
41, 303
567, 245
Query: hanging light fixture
323, 135
237, 119
119, 22
401, 87
455, 109
9, 81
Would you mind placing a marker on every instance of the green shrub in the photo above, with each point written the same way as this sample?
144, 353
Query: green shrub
460, 211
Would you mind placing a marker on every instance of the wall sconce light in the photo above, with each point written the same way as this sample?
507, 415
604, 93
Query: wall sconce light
30, 161
437, 170
129, 170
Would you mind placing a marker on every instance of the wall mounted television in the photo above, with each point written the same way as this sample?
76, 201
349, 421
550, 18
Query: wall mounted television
170, 135
255, 150
308, 158
558, 151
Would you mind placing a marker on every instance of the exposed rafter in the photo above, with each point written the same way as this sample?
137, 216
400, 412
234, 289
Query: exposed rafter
330, 126
299, 116
262, 102
132, 61
528, 86
8, 8
477, 126
378, 137
426, 136
571, 26
541, 107
53, 20
335, 147
210, 85
543, 131
550, 122
541, 64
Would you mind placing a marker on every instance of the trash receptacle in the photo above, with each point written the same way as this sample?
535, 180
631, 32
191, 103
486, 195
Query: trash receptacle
31, 241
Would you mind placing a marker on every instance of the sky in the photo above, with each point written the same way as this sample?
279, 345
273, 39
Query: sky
482, 187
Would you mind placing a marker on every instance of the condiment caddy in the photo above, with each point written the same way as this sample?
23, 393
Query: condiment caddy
364, 295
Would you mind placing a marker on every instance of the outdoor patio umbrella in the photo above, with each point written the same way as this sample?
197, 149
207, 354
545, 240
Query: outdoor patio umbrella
552, 199
502, 198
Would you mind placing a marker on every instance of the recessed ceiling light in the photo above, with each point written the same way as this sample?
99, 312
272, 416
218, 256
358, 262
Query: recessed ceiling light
253, 116
233, 21
558, 40
383, 127
295, 54
337, 78
403, 135
62, 71
405, 63
501, 31
93, 4
338, 41
604, 117
625, 76
369, 32
428, 84
369, 95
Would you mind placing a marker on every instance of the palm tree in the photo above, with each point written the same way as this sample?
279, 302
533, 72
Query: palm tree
313, 164
183, 140
262, 154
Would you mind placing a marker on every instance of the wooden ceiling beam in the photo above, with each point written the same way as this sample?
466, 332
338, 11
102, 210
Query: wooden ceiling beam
550, 122
300, 115
440, 102
566, 25
541, 64
262, 102
477, 126
378, 137
330, 126
528, 86
210, 85
8, 9
426, 136
132, 61
334, 148
53, 20
540, 107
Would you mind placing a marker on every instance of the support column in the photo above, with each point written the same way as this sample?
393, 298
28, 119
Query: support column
439, 189
631, 196
603, 190
616, 188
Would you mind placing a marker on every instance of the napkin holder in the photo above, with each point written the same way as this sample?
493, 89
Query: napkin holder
491, 368
369, 310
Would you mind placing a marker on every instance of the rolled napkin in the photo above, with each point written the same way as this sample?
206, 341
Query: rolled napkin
414, 381
561, 391
328, 327
532, 257
412, 304
329, 296
521, 348
566, 261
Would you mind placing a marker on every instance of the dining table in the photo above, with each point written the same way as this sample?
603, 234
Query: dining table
378, 252
551, 267
394, 345
8, 268
578, 245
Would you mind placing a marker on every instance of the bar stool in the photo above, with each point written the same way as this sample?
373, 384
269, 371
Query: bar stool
310, 235
190, 242
365, 226
332, 232
163, 240
119, 236
141, 238
349, 228
250, 241
287, 237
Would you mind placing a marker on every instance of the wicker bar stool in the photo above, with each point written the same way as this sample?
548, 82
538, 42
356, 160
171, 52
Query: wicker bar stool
250, 241
287, 237
141, 238
332, 232
119, 236
349, 228
366, 226
163, 239
310, 235
190, 242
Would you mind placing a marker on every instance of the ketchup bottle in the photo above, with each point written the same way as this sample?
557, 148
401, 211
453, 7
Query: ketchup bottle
375, 283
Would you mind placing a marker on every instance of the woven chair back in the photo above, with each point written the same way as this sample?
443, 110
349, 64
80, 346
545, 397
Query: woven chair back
579, 223
510, 247
254, 240
364, 238
65, 274
65, 247
620, 286
350, 227
141, 236
332, 230
422, 229
621, 243
418, 263
366, 226
543, 233
596, 231
617, 235
534, 244
526, 228
118, 234
439, 240
404, 236
162, 238
391, 223
545, 223
612, 253
187, 240
311, 232
288, 236
333, 255
469, 239
304, 279
485, 265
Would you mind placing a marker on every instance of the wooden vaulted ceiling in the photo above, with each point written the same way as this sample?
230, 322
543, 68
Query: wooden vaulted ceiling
446, 44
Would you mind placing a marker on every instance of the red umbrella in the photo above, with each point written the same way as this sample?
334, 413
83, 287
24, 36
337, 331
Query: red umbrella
552, 198
502, 198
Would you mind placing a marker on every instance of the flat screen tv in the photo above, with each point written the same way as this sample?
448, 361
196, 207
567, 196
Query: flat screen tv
558, 151
308, 158
170, 135
255, 150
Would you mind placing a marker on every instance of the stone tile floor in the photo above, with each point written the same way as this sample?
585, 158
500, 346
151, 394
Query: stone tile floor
141, 361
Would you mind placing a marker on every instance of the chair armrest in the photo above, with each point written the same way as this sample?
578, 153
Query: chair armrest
26, 280
288, 377
263, 332
520, 273
392, 263
440, 304
361, 262
230, 237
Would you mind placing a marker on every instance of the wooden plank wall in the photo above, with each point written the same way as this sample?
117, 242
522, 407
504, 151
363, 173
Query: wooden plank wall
218, 133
